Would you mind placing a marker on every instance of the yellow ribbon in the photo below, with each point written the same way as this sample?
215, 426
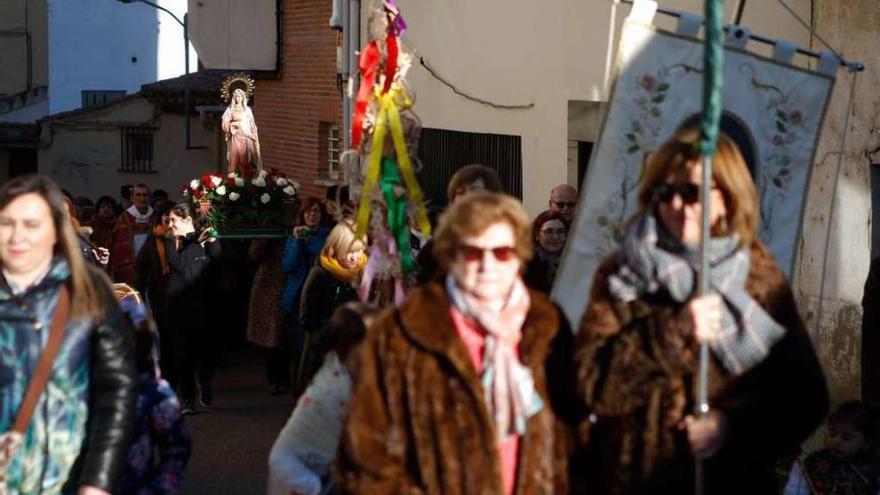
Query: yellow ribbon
374, 161
389, 113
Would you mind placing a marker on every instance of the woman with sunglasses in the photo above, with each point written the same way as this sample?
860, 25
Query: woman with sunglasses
637, 348
469, 375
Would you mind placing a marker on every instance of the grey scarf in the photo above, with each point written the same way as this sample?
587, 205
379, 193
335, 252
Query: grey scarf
651, 261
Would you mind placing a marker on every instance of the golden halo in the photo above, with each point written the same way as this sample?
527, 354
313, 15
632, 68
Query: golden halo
242, 79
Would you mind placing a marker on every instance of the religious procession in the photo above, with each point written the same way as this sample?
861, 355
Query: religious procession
591, 247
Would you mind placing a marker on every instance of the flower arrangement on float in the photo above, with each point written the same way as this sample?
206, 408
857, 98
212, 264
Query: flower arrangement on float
264, 199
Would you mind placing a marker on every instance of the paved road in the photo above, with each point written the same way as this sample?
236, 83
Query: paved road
231, 442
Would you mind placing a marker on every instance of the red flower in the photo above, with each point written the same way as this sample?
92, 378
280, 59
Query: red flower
230, 182
206, 181
795, 117
648, 82
197, 193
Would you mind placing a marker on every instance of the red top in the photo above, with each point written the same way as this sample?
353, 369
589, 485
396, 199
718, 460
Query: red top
474, 340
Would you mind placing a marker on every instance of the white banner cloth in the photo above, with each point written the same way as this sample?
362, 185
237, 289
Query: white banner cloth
779, 108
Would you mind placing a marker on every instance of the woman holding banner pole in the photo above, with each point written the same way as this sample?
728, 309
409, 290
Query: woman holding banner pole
636, 352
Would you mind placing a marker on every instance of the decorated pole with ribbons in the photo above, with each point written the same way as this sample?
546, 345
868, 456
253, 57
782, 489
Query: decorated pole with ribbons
710, 122
385, 129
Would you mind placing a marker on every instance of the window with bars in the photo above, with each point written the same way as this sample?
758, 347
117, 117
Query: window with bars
95, 97
443, 151
137, 150
331, 146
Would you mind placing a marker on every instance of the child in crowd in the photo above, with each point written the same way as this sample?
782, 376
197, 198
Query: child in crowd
161, 446
848, 465
301, 459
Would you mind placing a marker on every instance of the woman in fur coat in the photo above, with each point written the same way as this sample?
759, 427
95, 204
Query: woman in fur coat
460, 390
636, 352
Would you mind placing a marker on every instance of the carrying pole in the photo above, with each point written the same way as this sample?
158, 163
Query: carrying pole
713, 79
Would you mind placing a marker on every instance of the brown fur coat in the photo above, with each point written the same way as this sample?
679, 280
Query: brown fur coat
635, 369
418, 422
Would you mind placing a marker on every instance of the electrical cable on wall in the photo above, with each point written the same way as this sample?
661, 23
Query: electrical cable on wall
433, 72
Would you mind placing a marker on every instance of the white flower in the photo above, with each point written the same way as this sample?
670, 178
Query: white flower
263, 173
194, 184
221, 190
234, 196
295, 184
216, 180
289, 190
231, 175
281, 182
259, 182
265, 198
239, 182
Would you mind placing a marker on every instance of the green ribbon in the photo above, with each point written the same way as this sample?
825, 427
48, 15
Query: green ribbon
713, 77
397, 223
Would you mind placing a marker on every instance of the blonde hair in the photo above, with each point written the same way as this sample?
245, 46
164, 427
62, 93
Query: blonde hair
341, 241
729, 171
472, 215
87, 299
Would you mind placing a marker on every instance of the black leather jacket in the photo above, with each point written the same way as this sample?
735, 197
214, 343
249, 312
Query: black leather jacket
95, 368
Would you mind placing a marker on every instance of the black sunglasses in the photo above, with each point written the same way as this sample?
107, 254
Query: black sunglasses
689, 192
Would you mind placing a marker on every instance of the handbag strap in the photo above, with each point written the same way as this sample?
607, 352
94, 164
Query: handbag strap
44, 365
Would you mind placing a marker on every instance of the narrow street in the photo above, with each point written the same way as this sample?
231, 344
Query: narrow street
231, 442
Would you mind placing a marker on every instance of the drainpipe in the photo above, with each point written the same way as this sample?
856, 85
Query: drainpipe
344, 55
353, 28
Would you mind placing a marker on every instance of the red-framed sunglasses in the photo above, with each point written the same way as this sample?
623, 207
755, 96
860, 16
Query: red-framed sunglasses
474, 253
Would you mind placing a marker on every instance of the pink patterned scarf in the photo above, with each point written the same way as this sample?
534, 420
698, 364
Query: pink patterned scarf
508, 385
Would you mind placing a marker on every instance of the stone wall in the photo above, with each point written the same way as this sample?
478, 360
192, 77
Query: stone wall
832, 269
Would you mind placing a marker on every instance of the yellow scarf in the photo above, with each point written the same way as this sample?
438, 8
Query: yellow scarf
340, 272
160, 231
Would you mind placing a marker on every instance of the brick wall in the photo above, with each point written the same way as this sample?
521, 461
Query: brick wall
289, 110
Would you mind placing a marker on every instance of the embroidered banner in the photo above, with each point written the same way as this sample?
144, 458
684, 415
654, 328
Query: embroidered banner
772, 109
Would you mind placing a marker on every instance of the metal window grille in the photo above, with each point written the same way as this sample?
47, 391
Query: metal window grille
93, 97
137, 150
334, 144
442, 152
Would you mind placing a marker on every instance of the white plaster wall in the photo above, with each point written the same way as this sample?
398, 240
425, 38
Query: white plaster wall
231, 34
92, 42
84, 154
518, 51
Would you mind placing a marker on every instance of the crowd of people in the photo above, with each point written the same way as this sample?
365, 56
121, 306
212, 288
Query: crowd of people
475, 383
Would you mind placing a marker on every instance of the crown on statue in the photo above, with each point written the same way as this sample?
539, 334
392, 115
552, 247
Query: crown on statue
239, 80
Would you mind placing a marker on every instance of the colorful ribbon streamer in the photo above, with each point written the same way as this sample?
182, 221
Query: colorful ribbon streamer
397, 213
391, 61
388, 113
372, 173
396, 24
406, 168
369, 64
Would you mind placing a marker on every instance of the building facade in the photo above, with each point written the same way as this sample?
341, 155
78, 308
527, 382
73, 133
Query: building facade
137, 139
64, 56
299, 109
